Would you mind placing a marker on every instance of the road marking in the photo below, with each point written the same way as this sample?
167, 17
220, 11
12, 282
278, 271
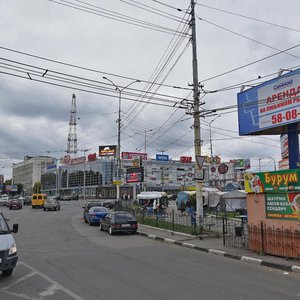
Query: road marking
51, 289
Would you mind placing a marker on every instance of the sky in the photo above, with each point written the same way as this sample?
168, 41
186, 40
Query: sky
50, 50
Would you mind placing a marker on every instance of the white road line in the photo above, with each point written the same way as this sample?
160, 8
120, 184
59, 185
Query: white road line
51, 289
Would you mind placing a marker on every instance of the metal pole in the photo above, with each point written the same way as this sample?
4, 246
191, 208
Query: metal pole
120, 90
197, 140
84, 172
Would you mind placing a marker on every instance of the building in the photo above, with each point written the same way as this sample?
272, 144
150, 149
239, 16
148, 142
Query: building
80, 178
96, 178
29, 171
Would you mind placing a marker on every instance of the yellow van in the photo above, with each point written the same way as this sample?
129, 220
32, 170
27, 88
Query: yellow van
38, 200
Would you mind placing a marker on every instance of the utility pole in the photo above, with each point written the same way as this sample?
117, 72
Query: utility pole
197, 140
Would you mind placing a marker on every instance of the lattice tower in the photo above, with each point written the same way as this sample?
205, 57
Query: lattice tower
72, 136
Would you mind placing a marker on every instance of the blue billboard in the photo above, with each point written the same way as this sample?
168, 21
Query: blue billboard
269, 106
162, 157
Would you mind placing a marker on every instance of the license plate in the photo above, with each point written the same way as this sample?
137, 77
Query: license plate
0, 260
125, 225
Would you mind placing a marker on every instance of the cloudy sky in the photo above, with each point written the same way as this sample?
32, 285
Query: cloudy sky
52, 49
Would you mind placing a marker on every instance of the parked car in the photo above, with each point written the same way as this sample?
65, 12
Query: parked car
95, 214
119, 221
14, 204
3, 199
51, 204
88, 205
8, 248
109, 204
27, 200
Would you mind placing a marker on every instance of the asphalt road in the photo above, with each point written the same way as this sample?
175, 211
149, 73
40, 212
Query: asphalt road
61, 257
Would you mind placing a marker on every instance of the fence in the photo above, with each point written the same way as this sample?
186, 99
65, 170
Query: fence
235, 232
275, 241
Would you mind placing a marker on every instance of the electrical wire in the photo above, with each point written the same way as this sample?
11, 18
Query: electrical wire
85, 68
247, 17
245, 37
114, 16
249, 64
153, 10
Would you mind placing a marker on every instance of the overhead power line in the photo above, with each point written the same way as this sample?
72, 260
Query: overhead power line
247, 17
102, 12
86, 68
251, 63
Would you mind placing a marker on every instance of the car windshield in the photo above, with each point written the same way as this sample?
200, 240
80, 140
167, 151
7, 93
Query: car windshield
98, 209
3, 225
124, 217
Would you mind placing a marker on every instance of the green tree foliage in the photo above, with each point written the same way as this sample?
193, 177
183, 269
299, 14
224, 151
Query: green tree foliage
19, 188
193, 200
37, 188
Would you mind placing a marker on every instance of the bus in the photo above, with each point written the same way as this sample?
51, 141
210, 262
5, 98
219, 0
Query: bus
147, 198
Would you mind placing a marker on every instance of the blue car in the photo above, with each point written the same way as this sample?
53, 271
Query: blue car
94, 214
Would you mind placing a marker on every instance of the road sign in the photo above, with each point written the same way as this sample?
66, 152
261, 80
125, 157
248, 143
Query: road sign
200, 160
200, 175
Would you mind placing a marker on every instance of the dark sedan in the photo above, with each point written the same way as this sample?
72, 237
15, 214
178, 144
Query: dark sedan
95, 214
15, 204
119, 221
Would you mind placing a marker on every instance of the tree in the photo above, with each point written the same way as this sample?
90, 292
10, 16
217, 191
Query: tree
37, 188
19, 188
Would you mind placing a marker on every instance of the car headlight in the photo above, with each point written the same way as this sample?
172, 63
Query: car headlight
12, 249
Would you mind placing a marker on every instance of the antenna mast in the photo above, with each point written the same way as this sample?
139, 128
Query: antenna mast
72, 136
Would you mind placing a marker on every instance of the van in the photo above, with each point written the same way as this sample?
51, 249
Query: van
8, 248
38, 200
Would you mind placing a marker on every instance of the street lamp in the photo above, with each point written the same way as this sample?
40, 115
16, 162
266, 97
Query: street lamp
85, 150
120, 90
145, 135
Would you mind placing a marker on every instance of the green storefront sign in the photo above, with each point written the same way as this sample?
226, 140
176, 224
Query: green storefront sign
273, 182
283, 206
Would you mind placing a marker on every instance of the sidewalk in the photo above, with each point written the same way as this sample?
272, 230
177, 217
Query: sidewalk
213, 245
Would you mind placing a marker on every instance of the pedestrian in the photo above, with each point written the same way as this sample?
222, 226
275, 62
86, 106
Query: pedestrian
154, 207
193, 216
182, 208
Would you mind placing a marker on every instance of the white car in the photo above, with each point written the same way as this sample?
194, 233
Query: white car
3, 199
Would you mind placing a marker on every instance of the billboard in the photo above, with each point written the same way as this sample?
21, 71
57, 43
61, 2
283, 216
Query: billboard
108, 150
132, 155
283, 206
284, 145
273, 182
266, 108
162, 157
135, 175
241, 163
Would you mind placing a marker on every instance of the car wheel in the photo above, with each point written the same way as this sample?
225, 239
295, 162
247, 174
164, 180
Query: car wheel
7, 272
55, 208
133, 232
110, 231
85, 221
100, 227
44, 209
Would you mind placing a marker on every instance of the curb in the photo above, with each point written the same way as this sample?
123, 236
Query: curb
247, 259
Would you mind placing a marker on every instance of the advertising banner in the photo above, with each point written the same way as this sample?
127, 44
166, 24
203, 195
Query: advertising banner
108, 150
135, 175
162, 157
132, 155
241, 163
284, 143
269, 105
273, 182
284, 206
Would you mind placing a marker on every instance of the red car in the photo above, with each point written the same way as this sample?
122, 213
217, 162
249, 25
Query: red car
15, 204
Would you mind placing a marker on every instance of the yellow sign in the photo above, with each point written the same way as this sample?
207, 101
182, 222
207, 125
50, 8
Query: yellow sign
117, 182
